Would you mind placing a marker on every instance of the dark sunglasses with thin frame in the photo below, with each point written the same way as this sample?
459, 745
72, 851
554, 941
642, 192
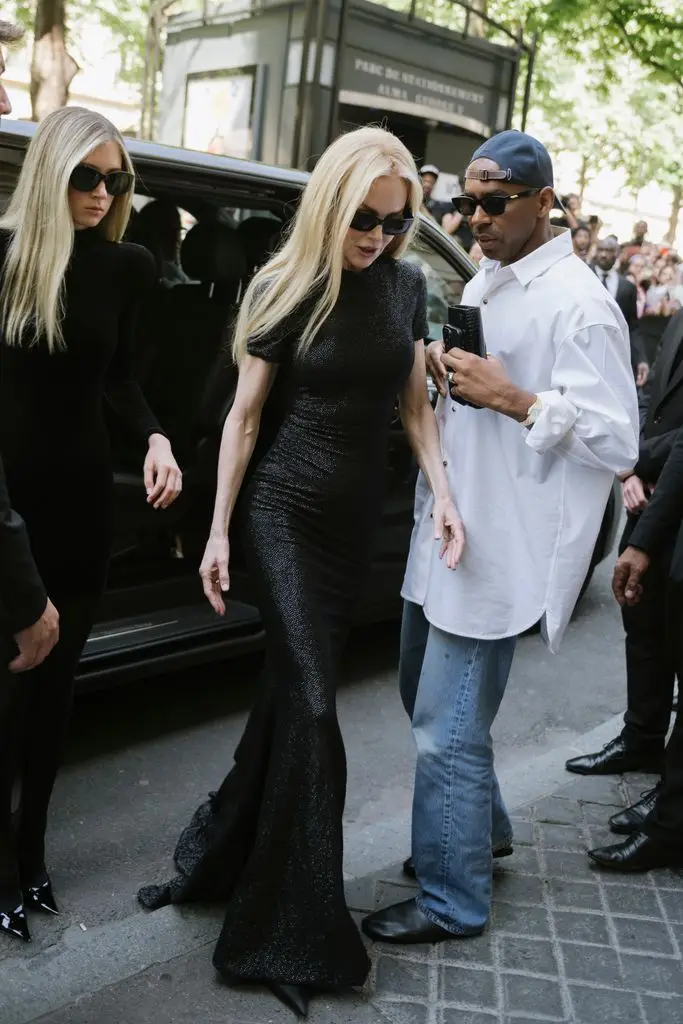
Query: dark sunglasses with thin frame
493, 205
85, 178
394, 224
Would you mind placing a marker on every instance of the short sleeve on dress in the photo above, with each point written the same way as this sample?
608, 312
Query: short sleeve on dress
274, 346
420, 321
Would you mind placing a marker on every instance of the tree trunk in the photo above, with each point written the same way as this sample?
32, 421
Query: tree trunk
676, 205
583, 176
478, 25
52, 67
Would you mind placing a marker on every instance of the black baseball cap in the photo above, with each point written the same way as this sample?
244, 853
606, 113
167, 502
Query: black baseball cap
522, 159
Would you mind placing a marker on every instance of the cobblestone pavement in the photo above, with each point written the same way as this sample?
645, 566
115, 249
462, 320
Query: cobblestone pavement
567, 942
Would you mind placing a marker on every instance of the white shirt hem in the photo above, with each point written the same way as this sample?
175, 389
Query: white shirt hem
469, 635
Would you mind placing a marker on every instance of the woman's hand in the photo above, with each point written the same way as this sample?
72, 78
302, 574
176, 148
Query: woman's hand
448, 528
214, 571
633, 492
435, 367
163, 479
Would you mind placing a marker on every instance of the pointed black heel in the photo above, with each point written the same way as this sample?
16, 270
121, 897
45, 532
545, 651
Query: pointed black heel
294, 997
40, 897
13, 922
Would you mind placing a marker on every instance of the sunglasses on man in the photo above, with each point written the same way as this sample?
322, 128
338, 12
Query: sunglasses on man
85, 178
493, 205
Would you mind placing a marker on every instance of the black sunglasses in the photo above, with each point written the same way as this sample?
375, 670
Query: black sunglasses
86, 179
367, 220
493, 205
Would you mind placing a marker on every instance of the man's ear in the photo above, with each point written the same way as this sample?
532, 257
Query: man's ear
546, 199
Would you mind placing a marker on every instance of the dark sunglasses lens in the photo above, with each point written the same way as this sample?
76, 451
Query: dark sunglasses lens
118, 183
396, 225
85, 179
364, 221
495, 206
464, 205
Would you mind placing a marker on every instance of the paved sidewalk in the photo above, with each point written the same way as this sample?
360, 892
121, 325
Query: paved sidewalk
567, 944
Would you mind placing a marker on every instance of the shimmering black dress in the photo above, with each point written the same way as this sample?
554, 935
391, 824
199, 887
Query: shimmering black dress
270, 840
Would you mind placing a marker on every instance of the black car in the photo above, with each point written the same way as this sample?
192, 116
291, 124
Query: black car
154, 614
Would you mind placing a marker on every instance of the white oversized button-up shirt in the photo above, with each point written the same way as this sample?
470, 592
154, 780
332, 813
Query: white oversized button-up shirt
532, 500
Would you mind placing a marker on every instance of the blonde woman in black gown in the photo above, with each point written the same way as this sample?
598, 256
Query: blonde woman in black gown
339, 318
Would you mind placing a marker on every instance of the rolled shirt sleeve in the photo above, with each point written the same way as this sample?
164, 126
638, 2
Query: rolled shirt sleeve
590, 413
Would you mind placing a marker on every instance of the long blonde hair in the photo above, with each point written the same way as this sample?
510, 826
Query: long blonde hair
40, 221
311, 258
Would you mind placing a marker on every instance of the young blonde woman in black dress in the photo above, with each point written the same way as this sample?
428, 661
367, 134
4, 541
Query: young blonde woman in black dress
69, 295
339, 319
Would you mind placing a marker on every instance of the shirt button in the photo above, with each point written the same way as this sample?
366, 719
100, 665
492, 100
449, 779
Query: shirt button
445, 462
486, 302
658, 419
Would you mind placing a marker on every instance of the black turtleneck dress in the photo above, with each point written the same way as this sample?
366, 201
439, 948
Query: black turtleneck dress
269, 841
56, 451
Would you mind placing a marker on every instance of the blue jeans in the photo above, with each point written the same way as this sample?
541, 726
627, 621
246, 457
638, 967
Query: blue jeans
451, 687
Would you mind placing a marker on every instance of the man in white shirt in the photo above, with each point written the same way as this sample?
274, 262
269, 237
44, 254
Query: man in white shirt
531, 470
625, 295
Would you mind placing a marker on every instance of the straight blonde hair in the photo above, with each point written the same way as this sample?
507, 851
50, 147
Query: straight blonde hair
311, 258
39, 219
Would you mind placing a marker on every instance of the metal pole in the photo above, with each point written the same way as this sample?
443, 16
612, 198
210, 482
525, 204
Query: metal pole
302, 87
333, 120
529, 78
314, 94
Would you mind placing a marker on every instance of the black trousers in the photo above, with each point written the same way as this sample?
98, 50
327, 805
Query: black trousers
35, 708
665, 823
650, 656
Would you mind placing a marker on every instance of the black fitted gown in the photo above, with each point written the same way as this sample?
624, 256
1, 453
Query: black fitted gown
55, 447
269, 842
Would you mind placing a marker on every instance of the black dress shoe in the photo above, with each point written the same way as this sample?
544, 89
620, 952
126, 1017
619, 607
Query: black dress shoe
13, 922
294, 997
404, 923
637, 853
631, 820
502, 851
615, 758
40, 897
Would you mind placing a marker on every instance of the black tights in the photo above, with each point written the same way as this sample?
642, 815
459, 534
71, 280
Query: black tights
35, 708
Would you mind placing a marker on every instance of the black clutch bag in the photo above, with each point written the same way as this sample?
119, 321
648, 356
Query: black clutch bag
464, 330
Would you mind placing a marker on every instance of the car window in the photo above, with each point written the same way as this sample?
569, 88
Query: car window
445, 283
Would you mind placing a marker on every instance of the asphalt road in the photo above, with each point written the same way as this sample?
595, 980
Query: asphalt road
142, 757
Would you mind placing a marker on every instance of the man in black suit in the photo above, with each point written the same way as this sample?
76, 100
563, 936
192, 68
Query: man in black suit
625, 294
657, 840
651, 667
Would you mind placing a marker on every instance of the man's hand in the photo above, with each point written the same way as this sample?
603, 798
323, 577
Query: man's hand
36, 641
485, 383
435, 368
642, 373
628, 572
634, 494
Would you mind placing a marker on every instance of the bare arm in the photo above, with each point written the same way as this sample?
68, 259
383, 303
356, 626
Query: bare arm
419, 423
422, 431
240, 432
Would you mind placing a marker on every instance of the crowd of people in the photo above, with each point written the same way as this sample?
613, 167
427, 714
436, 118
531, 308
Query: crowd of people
336, 320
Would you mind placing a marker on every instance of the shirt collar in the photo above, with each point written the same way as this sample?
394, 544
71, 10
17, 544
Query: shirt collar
538, 261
